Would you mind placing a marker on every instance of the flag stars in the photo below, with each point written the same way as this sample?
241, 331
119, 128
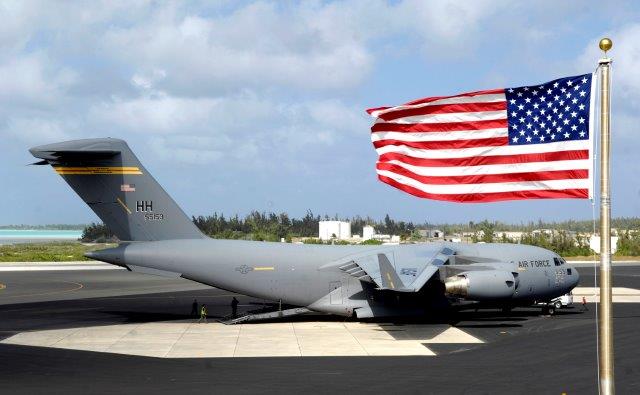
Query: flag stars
563, 117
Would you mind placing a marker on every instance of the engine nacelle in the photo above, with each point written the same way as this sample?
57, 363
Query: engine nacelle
482, 285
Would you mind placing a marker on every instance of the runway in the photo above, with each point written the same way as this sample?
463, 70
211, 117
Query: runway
518, 353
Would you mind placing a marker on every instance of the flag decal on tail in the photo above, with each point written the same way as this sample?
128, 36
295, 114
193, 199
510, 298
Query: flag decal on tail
529, 142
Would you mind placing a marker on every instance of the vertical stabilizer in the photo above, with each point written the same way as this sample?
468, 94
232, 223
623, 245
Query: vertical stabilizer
107, 175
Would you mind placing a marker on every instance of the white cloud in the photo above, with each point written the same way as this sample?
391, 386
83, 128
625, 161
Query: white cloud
625, 74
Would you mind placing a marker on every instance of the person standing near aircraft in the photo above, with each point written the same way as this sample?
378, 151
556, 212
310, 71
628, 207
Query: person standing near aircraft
584, 304
194, 308
234, 307
203, 314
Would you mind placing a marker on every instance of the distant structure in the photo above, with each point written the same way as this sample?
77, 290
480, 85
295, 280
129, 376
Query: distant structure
368, 232
431, 233
340, 230
594, 244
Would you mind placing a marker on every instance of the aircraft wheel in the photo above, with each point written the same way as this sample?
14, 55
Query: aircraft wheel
551, 310
557, 305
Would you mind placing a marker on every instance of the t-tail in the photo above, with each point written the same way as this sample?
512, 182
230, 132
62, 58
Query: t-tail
107, 175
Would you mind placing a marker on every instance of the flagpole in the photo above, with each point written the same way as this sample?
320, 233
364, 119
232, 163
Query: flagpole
605, 320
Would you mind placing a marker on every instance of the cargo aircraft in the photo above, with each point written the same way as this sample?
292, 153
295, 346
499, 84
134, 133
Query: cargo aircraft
157, 237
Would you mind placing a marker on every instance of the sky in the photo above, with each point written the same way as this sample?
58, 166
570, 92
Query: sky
240, 106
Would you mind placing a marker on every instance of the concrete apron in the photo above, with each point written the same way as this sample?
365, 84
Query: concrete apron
186, 339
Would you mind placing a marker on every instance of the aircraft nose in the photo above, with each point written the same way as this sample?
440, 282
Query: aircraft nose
574, 276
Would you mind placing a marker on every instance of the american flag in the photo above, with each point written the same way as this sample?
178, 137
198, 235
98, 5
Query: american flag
128, 188
530, 142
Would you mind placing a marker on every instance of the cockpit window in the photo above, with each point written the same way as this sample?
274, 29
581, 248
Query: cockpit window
557, 261
569, 272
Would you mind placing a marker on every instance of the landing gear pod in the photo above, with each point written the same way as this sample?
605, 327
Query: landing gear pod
482, 285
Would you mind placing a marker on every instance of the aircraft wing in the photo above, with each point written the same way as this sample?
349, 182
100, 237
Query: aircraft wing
406, 275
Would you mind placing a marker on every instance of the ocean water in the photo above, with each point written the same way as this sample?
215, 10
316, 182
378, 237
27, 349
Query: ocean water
9, 236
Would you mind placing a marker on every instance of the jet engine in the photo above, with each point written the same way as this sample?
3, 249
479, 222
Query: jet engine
482, 285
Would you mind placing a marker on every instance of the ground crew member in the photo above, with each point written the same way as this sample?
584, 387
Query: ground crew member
203, 314
584, 304
194, 308
234, 306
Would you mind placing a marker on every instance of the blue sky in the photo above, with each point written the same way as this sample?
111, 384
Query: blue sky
260, 105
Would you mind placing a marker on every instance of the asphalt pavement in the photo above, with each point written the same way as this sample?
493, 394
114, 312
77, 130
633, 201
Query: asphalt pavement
523, 352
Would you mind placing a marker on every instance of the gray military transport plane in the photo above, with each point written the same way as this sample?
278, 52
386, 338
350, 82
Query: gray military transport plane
362, 281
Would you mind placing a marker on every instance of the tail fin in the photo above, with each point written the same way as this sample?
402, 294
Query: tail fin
106, 174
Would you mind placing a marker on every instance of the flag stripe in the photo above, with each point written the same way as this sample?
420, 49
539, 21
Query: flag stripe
494, 169
581, 193
450, 144
440, 127
486, 178
441, 136
481, 151
444, 109
487, 160
473, 97
510, 186
454, 117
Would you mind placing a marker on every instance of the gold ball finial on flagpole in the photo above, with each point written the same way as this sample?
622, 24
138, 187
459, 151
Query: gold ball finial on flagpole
605, 45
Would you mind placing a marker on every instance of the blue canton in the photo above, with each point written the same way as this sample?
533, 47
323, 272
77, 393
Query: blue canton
548, 113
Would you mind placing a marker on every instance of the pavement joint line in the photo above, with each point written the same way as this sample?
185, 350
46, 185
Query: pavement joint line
235, 348
73, 332
356, 339
293, 327
178, 339
110, 346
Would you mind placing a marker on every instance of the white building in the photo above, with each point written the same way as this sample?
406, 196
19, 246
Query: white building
334, 229
594, 243
367, 232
